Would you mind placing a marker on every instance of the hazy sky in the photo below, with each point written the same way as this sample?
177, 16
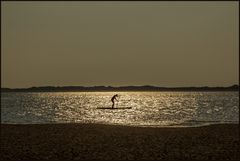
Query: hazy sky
119, 43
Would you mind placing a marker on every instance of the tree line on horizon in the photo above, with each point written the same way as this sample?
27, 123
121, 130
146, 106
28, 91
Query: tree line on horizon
121, 88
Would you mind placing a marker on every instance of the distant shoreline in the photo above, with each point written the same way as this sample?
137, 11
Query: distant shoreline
113, 89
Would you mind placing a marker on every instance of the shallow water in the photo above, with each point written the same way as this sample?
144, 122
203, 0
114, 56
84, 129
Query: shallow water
148, 108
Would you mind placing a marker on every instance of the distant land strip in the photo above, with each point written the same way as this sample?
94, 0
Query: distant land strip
121, 88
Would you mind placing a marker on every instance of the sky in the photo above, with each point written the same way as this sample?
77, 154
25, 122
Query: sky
167, 44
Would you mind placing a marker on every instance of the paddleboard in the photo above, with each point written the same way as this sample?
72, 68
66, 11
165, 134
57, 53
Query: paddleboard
115, 108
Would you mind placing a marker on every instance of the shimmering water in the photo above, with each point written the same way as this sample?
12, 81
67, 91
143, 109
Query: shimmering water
148, 108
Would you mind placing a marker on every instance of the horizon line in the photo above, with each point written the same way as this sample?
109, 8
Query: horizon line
108, 86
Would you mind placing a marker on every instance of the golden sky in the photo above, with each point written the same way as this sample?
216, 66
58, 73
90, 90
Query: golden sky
119, 43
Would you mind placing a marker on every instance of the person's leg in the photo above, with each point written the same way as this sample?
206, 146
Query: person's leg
112, 104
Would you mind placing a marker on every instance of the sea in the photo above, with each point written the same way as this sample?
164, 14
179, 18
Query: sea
151, 109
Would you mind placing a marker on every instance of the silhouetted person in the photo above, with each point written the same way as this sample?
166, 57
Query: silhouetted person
113, 99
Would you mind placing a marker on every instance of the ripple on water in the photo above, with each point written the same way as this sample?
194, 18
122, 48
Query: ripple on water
148, 108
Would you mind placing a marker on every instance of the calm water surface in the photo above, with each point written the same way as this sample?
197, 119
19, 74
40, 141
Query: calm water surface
148, 108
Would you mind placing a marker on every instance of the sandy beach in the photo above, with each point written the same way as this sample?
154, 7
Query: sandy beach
108, 142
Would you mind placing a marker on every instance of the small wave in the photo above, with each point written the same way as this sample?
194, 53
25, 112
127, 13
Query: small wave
197, 123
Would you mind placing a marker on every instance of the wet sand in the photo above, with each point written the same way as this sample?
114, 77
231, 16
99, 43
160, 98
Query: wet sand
107, 142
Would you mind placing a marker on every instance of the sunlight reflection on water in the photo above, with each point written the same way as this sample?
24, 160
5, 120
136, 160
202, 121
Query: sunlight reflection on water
148, 108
